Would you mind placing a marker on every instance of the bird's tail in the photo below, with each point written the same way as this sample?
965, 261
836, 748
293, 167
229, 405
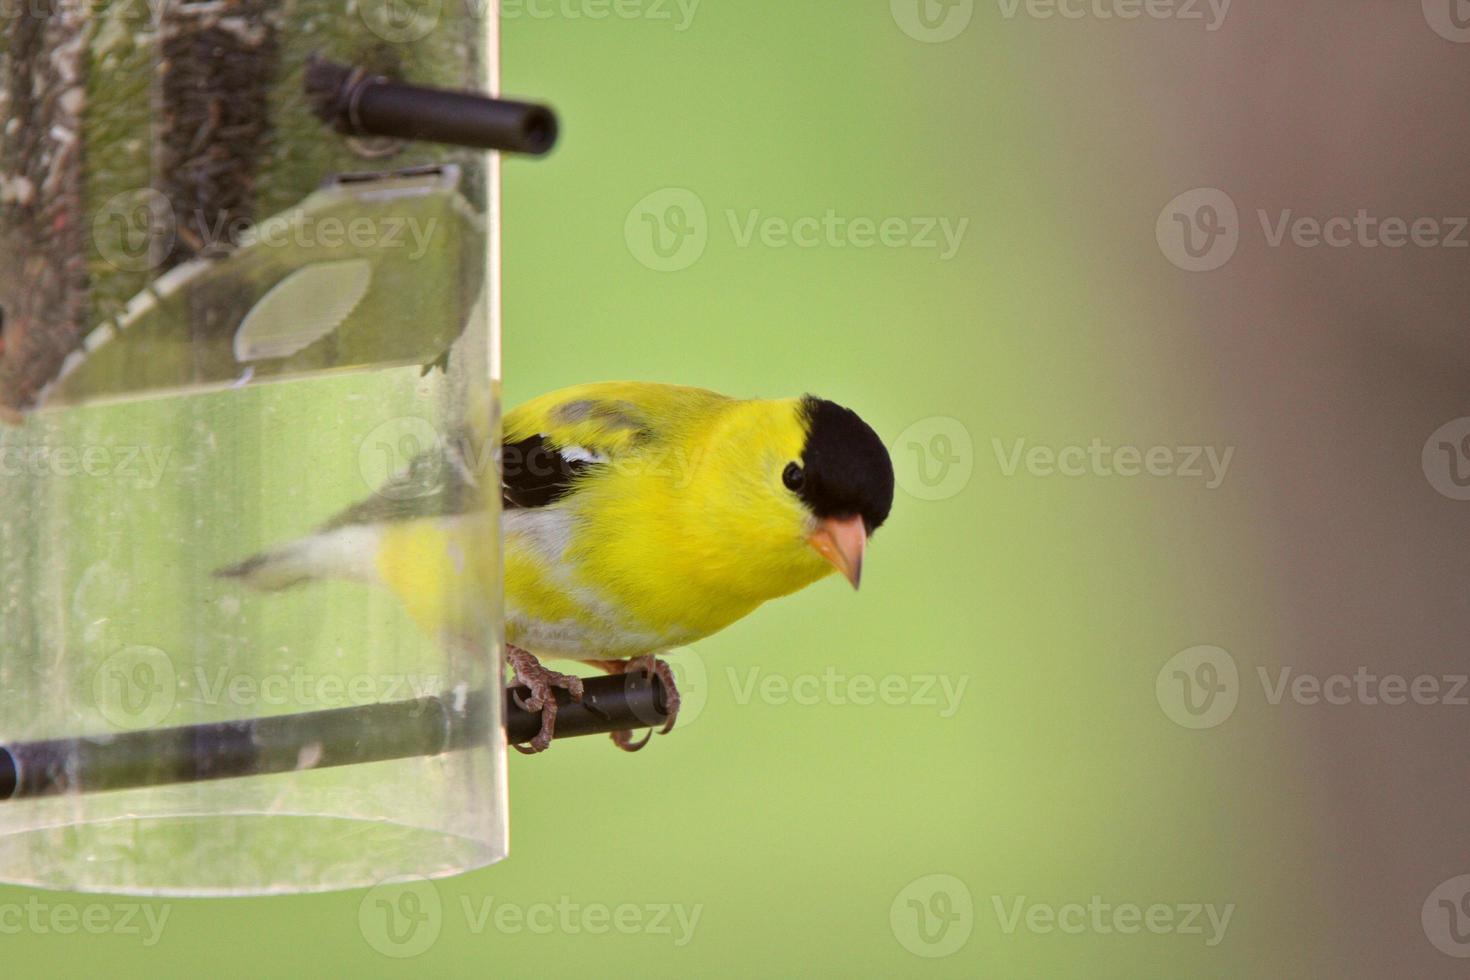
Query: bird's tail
270, 571
348, 552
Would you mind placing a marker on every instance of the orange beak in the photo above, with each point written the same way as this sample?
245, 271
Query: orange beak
842, 541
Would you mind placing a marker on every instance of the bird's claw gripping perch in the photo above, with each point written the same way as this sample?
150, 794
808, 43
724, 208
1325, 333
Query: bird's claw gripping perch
665, 674
533, 690
539, 681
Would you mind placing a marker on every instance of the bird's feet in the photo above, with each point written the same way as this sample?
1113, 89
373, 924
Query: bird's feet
538, 682
648, 664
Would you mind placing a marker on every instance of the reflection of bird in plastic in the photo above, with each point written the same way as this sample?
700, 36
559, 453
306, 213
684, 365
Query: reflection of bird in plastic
637, 517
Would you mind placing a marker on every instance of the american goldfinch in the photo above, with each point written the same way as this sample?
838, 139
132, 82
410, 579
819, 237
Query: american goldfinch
636, 517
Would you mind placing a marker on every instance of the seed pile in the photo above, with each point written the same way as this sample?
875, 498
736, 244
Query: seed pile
217, 58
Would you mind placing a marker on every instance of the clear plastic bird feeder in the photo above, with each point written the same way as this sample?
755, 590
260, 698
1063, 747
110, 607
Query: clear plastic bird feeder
226, 321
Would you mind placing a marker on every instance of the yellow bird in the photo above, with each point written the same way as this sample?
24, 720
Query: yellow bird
636, 517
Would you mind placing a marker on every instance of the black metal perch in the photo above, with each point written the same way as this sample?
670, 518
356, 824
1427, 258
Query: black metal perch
314, 740
359, 103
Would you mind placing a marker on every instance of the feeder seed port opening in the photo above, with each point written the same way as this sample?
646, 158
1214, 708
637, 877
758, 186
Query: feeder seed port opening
256, 288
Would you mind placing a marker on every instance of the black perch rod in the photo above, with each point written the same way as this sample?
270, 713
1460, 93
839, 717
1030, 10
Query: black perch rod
359, 103
314, 740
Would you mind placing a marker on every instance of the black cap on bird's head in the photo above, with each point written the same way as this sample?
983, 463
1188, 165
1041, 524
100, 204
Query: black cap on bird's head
846, 466
845, 478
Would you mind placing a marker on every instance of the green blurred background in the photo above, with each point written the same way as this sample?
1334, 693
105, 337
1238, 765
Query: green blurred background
800, 832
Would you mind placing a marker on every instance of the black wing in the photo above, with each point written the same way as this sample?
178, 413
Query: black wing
534, 473
446, 480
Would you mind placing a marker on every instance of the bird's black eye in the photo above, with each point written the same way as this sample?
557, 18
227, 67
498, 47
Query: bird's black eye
793, 477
